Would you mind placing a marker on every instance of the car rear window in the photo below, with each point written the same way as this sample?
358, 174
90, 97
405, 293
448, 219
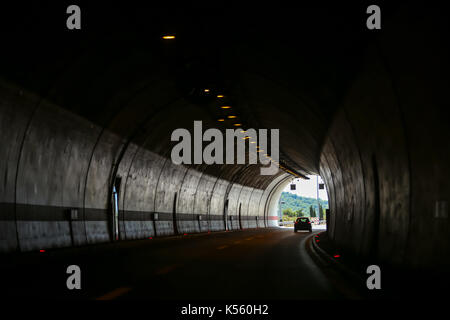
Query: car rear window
303, 219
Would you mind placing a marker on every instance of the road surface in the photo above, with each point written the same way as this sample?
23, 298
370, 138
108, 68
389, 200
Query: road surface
252, 264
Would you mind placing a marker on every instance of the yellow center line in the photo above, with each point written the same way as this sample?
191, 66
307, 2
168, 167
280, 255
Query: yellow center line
114, 294
222, 247
249, 238
237, 242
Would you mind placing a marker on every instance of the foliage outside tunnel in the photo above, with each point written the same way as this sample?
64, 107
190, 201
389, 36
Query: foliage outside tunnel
294, 206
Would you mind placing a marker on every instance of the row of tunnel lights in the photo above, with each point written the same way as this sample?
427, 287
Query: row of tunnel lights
237, 124
220, 96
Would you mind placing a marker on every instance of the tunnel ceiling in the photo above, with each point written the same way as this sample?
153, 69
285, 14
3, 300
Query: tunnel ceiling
118, 73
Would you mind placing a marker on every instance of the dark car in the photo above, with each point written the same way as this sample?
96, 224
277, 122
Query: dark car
302, 224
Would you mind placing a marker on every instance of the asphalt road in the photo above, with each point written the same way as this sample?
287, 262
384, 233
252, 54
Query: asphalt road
252, 264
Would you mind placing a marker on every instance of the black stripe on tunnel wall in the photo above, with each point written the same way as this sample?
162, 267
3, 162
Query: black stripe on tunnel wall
26, 212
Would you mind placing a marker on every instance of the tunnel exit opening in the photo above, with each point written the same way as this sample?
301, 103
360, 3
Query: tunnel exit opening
304, 198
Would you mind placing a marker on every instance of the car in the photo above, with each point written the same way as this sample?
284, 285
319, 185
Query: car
302, 224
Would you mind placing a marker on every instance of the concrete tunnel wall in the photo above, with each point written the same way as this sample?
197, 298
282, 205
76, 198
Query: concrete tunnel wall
385, 160
367, 109
278, 185
54, 161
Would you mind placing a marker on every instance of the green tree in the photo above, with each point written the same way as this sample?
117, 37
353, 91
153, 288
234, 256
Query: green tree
320, 212
312, 212
288, 212
299, 213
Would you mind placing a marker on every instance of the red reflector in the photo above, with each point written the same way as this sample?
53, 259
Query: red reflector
317, 240
337, 256
41, 250
150, 237
185, 234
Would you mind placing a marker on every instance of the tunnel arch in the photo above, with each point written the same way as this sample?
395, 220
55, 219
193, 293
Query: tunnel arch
102, 104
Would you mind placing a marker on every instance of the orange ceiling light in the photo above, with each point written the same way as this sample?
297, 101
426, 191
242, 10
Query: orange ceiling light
225, 107
220, 96
231, 117
168, 37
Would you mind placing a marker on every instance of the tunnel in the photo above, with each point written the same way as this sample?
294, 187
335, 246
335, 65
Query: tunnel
86, 118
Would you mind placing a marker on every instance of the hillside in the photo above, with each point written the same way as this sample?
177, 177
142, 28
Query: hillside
296, 202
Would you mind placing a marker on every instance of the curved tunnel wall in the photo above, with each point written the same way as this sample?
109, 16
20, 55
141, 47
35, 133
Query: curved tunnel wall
274, 193
55, 161
385, 159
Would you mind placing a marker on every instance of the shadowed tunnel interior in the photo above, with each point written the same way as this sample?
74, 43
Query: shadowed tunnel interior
84, 113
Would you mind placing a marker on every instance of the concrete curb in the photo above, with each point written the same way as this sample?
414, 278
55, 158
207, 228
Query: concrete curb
314, 253
330, 261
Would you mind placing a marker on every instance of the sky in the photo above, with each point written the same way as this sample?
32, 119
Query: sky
307, 188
